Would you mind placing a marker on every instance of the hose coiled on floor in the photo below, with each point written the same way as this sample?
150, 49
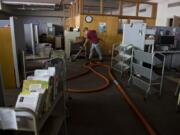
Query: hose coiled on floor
134, 108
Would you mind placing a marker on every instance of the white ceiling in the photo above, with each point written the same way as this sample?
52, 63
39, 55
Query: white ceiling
57, 1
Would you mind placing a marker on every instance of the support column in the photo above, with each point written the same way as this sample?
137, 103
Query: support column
81, 6
101, 6
120, 10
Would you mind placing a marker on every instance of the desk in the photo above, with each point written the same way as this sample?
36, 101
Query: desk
36, 57
31, 62
69, 36
168, 52
173, 61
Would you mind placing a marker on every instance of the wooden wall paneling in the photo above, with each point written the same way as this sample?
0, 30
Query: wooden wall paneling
72, 22
6, 58
72, 14
101, 6
150, 22
77, 20
137, 8
72, 9
154, 11
120, 7
81, 6
77, 5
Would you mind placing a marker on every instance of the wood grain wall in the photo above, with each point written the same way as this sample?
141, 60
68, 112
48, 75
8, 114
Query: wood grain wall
6, 58
72, 22
110, 36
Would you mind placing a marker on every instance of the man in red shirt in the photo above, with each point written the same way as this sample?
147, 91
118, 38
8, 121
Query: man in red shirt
91, 35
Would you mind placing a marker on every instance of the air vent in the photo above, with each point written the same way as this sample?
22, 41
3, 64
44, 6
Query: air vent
175, 4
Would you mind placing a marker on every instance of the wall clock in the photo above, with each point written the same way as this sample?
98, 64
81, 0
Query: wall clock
88, 19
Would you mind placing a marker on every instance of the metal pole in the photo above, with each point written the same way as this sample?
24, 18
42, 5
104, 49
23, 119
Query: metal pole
2, 97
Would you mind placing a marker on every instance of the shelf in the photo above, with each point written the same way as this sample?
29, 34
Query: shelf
54, 125
117, 48
150, 31
149, 42
140, 83
117, 58
47, 114
121, 66
125, 56
143, 73
146, 57
123, 47
56, 118
120, 57
120, 61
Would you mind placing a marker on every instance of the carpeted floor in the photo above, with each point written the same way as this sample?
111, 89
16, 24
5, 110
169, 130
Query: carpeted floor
105, 112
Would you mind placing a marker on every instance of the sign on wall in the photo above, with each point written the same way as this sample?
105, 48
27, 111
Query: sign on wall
102, 27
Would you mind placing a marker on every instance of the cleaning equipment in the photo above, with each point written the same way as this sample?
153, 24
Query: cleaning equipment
90, 66
81, 49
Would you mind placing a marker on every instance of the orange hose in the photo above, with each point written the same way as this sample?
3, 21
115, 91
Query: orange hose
90, 66
129, 101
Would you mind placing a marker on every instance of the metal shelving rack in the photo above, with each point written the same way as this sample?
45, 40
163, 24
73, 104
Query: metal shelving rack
143, 72
2, 100
121, 57
37, 121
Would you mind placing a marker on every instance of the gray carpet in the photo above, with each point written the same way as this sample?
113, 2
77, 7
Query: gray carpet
106, 112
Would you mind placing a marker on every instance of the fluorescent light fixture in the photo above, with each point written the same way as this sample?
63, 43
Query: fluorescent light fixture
28, 3
37, 9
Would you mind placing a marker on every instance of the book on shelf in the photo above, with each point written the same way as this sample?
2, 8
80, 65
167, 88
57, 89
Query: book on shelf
35, 86
44, 72
28, 100
8, 119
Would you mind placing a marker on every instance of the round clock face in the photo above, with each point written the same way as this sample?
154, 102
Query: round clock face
89, 19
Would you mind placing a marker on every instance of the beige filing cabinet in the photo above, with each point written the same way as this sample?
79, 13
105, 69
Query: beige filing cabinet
11, 46
69, 35
58, 42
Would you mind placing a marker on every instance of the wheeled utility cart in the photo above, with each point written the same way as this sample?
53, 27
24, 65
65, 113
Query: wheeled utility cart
50, 116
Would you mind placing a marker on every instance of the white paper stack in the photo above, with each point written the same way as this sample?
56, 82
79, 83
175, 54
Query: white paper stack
51, 71
41, 78
8, 119
28, 101
45, 72
41, 72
